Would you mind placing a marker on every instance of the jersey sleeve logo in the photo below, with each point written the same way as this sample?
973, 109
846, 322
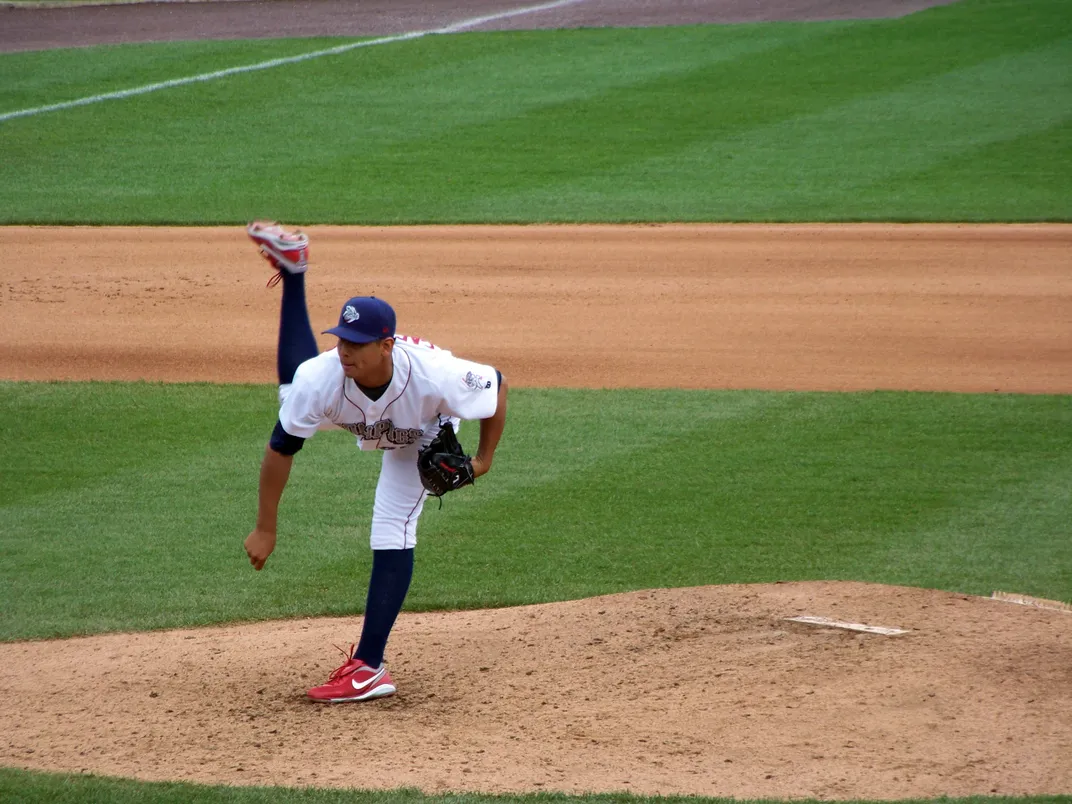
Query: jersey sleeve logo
474, 382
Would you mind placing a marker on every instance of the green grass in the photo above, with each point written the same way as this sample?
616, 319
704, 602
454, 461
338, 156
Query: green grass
961, 112
124, 506
17, 787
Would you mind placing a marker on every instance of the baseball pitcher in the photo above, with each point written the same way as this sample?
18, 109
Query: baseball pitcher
401, 395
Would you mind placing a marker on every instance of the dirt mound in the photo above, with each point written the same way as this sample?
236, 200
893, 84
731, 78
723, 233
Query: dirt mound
705, 690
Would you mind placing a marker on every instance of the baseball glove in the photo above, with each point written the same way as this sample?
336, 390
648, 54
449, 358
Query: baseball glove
443, 464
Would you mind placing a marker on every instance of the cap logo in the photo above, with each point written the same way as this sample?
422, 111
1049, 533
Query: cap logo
350, 315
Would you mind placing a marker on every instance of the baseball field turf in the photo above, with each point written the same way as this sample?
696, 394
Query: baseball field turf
956, 113
959, 113
117, 523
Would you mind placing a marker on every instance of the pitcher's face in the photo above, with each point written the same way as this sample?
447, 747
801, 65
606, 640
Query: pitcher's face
370, 363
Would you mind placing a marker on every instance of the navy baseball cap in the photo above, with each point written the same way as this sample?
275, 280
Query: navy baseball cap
365, 319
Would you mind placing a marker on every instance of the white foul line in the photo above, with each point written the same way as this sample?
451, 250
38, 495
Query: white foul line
193, 79
267, 65
475, 21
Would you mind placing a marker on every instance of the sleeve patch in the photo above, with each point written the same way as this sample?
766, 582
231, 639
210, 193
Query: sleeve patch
475, 382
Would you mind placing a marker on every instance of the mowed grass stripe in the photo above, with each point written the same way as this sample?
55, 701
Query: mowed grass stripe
660, 124
885, 171
381, 121
800, 95
18, 786
41, 77
135, 519
995, 532
1018, 173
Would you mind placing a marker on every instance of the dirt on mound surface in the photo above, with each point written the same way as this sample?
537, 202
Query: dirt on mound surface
705, 691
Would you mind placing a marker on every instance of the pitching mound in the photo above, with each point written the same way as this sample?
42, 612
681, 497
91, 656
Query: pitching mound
706, 691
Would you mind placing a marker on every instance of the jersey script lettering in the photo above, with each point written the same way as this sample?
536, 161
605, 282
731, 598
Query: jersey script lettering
384, 428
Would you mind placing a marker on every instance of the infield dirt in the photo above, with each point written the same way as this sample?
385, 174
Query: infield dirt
942, 308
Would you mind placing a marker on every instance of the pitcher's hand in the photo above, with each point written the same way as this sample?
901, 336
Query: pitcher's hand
259, 545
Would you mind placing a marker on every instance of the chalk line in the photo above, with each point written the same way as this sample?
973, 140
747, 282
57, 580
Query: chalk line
272, 63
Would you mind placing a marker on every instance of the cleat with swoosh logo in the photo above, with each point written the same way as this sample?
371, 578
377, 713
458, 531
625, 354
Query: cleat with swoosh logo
354, 681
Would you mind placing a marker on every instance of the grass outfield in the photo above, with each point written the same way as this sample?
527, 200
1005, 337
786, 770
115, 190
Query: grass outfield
962, 112
18, 786
125, 505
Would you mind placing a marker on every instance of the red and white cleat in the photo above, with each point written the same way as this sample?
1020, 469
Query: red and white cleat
285, 251
354, 681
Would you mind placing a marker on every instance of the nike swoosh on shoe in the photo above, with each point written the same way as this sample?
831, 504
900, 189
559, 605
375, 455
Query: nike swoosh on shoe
372, 680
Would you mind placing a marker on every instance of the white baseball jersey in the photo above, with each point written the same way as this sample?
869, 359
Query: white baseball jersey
429, 384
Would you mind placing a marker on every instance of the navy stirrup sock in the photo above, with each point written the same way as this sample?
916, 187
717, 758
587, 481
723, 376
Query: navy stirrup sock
392, 571
296, 340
